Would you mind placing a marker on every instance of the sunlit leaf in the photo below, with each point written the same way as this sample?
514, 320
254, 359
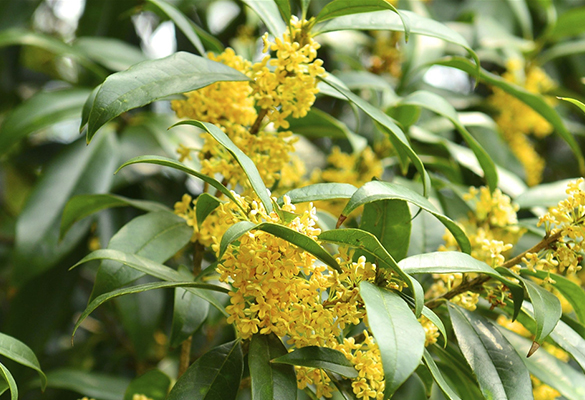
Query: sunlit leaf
319, 357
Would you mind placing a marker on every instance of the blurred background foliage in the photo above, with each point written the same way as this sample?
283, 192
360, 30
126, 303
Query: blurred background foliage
54, 52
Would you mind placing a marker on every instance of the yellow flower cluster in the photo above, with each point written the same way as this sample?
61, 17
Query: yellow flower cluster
517, 120
431, 330
492, 229
566, 221
386, 57
287, 85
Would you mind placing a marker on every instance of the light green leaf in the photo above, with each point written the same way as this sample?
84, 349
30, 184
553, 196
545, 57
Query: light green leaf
367, 242
398, 334
547, 309
90, 384
215, 375
440, 106
10, 381
430, 314
17, 351
570, 23
438, 377
520, 9
575, 102
154, 384
319, 191
152, 80
83, 205
501, 373
563, 49
269, 13
319, 357
206, 203
41, 111
113, 54
298, 239
245, 162
378, 190
543, 195
270, 381
536, 102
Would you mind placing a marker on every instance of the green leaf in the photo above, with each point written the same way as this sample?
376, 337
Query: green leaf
389, 20
501, 373
17, 351
87, 106
427, 312
149, 267
41, 111
535, 101
156, 236
570, 23
284, 8
520, 9
339, 8
113, 54
319, 191
390, 222
305, 7
269, 13
571, 291
564, 49
377, 190
549, 369
367, 242
245, 162
270, 381
83, 205
182, 22
398, 334
168, 162
438, 377
72, 172
206, 203
547, 309
395, 134
90, 384
10, 381
154, 384
300, 240
575, 102
152, 80
570, 341
215, 375
543, 195
319, 357
440, 106
101, 299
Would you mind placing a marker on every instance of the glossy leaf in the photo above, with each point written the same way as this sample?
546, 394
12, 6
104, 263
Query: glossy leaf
90, 384
543, 195
442, 107
168, 162
395, 134
113, 54
430, 314
536, 102
438, 377
377, 190
547, 309
284, 8
269, 13
87, 106
206, 203
319, 357
575, 102
270, 380
148, 267
154, 384
83, 205
367, 242
215, 375
320, 191
390, 222
298, 239
9, 379
37, 246
245, 162
398, 334
501, 373
41, 111
152, 80
17, 351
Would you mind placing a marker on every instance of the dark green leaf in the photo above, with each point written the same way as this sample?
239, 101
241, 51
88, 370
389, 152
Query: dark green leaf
390, 222
367, 242
91, 384
152, 80
320, 191
398, 334
430, 314
547, 309
442, 107
270, 381
154, 384
39, 112
284, 8
501, 373
438, 377
319, 357
113, 54
10, 381
535, 101
73, 172
268, 12
87, 106
83, 205
206, 203
245, 162
17, 351
377, 190
215, 375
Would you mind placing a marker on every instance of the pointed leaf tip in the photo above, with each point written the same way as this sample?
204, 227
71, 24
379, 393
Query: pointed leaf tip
340, 221
535, 346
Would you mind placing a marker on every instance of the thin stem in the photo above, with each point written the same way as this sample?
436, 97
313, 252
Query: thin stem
185, 356
256, 126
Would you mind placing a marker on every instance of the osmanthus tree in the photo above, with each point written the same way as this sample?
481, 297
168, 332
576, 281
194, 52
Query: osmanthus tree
361, 221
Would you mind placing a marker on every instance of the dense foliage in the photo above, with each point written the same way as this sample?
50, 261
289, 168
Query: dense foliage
318, 199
